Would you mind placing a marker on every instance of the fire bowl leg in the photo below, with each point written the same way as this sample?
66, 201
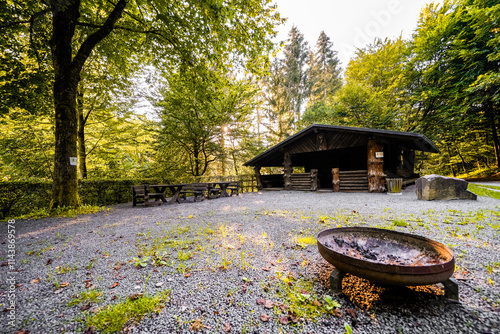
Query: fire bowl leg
451, 289
336, 277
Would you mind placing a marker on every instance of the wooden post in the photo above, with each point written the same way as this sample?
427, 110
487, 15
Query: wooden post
336, 179
258, 181
375, 166
287, 170
314, 179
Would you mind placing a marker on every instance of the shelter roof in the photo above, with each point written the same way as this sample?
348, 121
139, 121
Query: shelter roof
337, 137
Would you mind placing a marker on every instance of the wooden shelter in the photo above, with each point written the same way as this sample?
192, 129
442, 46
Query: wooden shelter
342, 158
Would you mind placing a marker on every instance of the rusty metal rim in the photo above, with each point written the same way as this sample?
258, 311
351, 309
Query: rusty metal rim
435, 269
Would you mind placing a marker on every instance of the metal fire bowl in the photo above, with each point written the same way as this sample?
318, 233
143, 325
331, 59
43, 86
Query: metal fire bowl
382, 247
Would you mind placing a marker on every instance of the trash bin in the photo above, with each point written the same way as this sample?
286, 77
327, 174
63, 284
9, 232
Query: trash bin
394, 186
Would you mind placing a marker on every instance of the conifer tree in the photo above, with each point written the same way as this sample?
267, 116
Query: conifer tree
324, 71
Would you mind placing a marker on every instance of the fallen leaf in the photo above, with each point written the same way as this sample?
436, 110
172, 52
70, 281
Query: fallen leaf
268, 304
227, 327
261, 301
283, 307
351, 312
284, 320
196, 325
187, 275
85, 307
35, 281
89, 331
293, 317
115, 284
264, 317
135, 296
49, 261
266, 268
88, 285
113, 298
316, 303
64, 284
22, 331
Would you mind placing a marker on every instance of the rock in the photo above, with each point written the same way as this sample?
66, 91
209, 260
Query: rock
438, 187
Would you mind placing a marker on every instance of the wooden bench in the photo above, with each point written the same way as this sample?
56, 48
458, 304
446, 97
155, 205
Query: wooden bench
234, 187
213, 191
197, 189
142, 194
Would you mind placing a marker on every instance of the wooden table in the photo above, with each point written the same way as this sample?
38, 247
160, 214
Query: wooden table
174, 188
222, 185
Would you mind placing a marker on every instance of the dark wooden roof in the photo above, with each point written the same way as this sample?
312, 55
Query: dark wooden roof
337, 137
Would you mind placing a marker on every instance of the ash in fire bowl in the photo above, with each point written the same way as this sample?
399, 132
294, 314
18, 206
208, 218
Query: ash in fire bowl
382, 250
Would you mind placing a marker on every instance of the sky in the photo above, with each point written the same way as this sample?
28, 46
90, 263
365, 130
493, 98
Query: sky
350, 24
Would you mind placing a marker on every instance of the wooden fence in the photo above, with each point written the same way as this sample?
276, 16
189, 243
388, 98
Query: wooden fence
248, 183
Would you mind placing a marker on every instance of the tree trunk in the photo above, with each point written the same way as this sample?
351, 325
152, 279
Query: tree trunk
449, 160
461, 158
65, 184
82, 152
496, 142
67, 70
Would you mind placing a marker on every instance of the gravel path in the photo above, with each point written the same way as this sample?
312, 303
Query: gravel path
248, 264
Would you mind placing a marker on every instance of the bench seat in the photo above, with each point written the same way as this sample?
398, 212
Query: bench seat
198, 191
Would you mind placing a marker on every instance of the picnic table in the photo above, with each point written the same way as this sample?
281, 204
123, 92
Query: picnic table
157, 191
174, 188
223, 187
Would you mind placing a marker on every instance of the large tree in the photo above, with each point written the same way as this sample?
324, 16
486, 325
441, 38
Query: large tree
455, 86
324, 71
200, 115
296, 52
177, 32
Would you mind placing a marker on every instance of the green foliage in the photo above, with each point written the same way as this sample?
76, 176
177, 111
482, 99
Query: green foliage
32, 199
200, 115
285, 89
324, 71
141, 262
454, 87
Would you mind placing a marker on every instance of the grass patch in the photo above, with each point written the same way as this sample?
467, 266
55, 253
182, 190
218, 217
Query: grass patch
304, 241
91, 296
482, 190
399, 222
68, 212
113, 318
301, 301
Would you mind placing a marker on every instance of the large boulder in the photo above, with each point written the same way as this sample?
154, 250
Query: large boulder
437, 187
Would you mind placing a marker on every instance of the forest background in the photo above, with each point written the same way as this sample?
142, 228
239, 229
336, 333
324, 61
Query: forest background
220, 95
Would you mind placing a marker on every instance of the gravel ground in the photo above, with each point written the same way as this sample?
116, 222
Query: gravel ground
248, 264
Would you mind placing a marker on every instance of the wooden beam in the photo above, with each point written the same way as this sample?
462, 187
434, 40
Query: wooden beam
258, 180
375, 166
287, 170
314, 179
336, 179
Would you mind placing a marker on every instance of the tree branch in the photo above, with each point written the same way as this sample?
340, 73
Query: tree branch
94, 38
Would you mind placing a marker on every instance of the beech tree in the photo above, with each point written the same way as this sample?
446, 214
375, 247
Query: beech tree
455, 88
176, 32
